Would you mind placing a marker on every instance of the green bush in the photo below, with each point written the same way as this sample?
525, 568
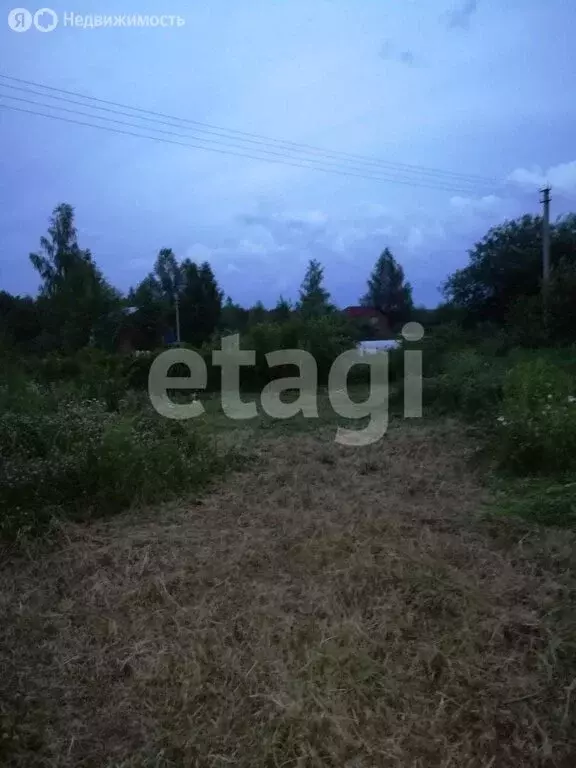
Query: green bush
75, 458
471, 385
537, 425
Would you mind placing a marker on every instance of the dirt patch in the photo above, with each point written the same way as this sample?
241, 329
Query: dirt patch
327, 607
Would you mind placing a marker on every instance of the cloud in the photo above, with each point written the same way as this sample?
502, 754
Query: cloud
269, 253
459, 17
476, 204
561, 177
389, 52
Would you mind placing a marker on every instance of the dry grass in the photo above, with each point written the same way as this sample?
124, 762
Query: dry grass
326, 607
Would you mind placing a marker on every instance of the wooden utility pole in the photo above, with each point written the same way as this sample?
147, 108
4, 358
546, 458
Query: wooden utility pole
545, 200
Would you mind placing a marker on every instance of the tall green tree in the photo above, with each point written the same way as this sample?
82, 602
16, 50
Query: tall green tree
314, 298
506, 265
200, 303
388, 290
168, 273
77, 299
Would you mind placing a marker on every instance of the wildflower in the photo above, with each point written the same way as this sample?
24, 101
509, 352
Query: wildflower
571, 399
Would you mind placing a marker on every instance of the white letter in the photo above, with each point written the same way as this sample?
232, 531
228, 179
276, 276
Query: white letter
376, 405
231, 358
181, 22
159, 382
413, 372
306, 383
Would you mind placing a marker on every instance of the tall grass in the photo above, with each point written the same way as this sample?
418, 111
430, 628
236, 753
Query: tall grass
62, 454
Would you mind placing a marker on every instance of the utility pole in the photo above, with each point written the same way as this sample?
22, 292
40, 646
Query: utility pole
177, 306
545, 200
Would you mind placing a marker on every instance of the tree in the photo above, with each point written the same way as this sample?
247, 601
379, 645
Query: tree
388, 290
314, 298
20, 321
282, 311
506, 265
77, 298
233, 318
168, 273
200, 303
257, 314
148, 323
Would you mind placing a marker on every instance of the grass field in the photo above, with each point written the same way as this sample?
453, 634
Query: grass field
322, 606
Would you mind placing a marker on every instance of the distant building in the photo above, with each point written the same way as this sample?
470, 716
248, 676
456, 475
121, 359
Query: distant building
378, 345
372, 320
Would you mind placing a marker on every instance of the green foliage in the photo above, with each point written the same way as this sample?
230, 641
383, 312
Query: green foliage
470, 385
282, 311
314, 298
61, 455
233, 318
20, 321
324, 337
539, 500
200, 303
76, 299
537, 423
388, 290
507, 266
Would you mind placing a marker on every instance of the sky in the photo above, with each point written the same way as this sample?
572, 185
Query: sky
479, 91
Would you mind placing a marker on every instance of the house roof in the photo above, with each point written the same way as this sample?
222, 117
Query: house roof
364, 312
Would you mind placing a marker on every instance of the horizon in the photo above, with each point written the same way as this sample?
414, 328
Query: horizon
332, 77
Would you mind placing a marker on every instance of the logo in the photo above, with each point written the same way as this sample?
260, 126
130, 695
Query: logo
45, 20
20, 20
231, 357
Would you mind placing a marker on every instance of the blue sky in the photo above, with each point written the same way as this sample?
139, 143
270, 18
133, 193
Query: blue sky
473, 87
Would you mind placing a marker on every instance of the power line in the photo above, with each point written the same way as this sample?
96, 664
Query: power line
312, 164
256, 139
230, 152
198, 138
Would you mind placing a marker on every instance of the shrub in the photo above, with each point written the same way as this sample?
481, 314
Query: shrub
77, 459
470, 385
537, 426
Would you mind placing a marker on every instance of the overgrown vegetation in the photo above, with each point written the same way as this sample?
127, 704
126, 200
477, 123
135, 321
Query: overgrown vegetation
488, 356
335, 607
64, 455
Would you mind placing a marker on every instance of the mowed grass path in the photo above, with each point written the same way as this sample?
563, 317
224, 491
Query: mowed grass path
325, 606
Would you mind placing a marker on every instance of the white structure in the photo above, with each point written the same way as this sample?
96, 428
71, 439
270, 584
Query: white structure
371, 347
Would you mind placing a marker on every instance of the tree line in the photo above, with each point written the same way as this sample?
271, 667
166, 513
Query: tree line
77, 306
